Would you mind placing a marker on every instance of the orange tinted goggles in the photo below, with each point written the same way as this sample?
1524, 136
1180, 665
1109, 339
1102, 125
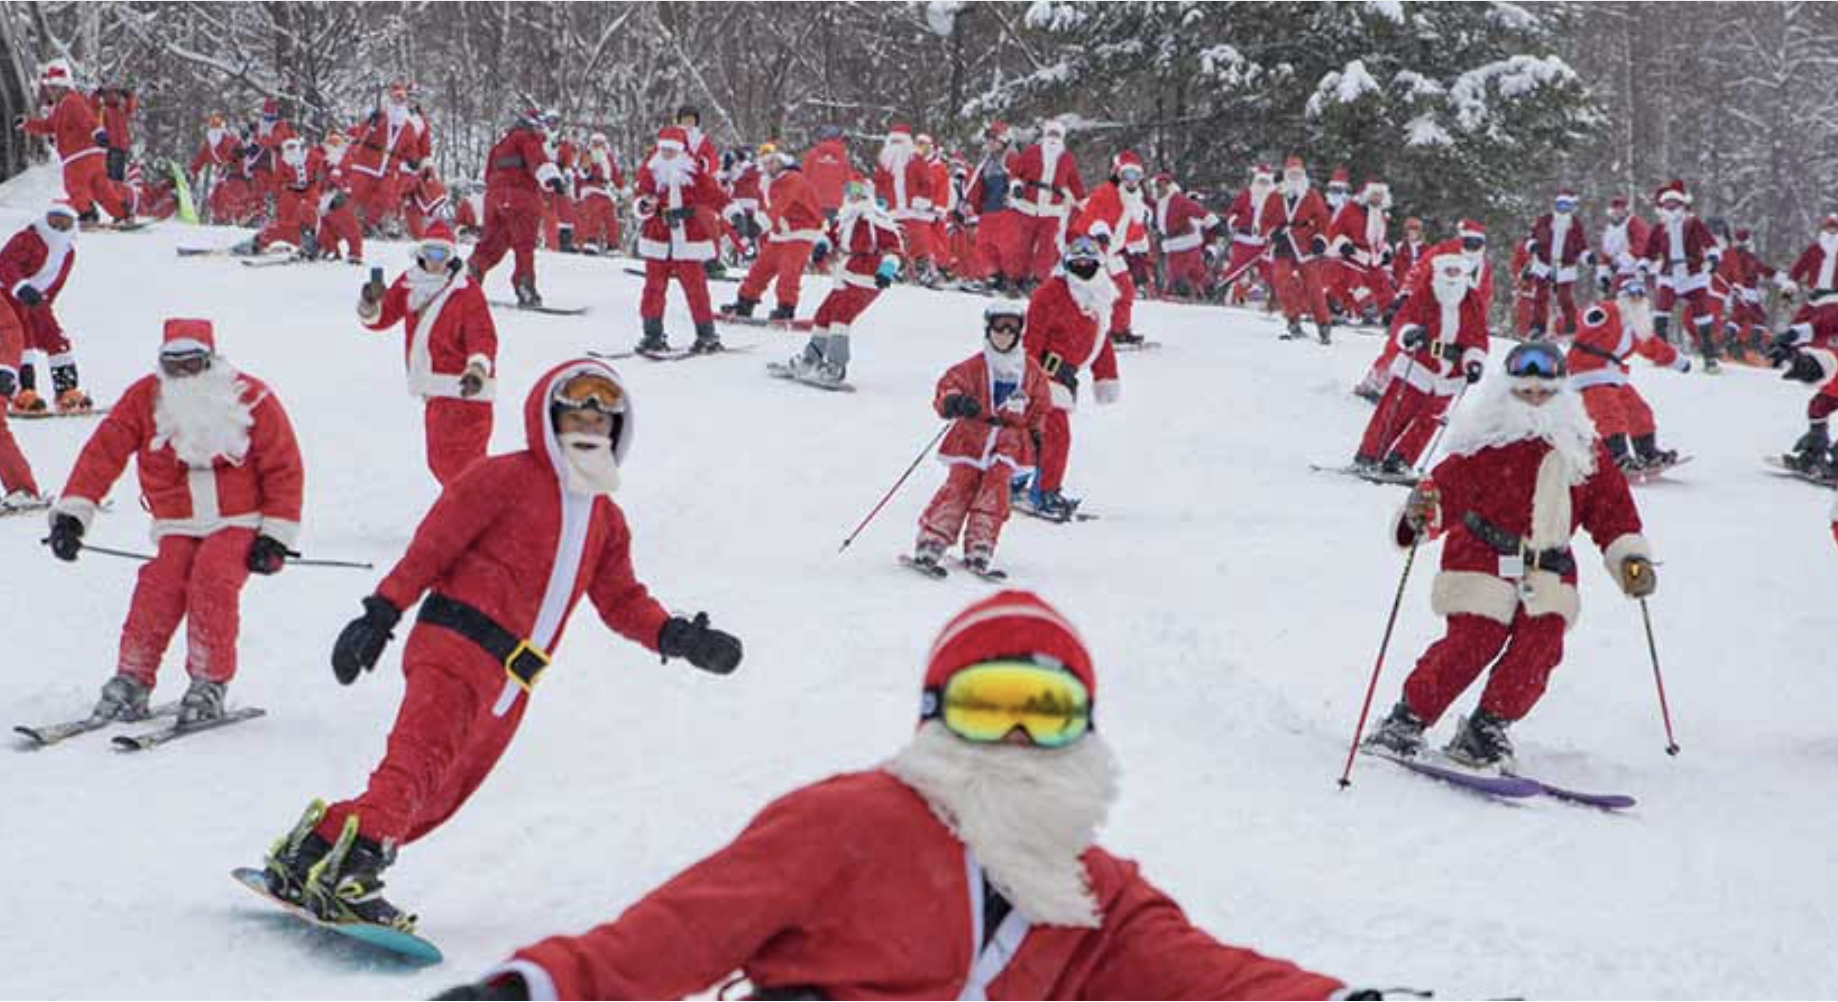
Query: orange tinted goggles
591, 391
990, 701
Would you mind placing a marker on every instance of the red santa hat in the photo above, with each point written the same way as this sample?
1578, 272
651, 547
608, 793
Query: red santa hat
1127, 158
1470, 228
1742, 235
1262, 172
1341, 177
188, 337
1565, 192
1618, 202
57, 73
1293, 162
1165, 178
672, 137
1829, 220
271, 106
439, 234
997, 131
900, 132
1672, 191
1009, 624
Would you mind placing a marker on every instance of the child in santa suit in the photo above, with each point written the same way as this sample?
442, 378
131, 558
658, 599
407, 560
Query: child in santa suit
502, 558
1442, 342
868, 245
1066, 317
966, 866
451, 349
1604, 342
1524, 472
221, 474
676, 238
34, 265
996, 401
82, 145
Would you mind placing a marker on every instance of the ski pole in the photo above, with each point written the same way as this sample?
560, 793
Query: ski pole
293, 558
1365, 708
1665, 714
1423, 464
929, 446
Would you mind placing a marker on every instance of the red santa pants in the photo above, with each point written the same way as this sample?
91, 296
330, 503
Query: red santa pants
44, 333
1748, 313
690, 275
942, 249
233, 201
1542, 291
968, 259
842, 306
375, 198
444, 743
1055, 450
341, 225
15, 471
295, 213
199, 580
598, 222
1618, 410
1533, 647
972, 502
86, 182
1698, 307
1000, 244
1187, 268
1123, 307
458, 432
1404, 423
1298, 288
1037, 246
918, 236
511, 219
780, 261
1368, 287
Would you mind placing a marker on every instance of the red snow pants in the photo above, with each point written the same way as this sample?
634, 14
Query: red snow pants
690, 275
341, 224
1618, 410
598, 222
445, 741
1187, 267
458, 432
972, 502
999, 244
1298, 288
1036, 246
375, 198
1124, 305
86, 182
1055, 450
1404, 423
1533, 647
781, 262
918, 237
1240, 269
1369, 287
1698, 308
232, 201
842, 306
1542, 291
511, 220
199, 580
15, 471
295, 213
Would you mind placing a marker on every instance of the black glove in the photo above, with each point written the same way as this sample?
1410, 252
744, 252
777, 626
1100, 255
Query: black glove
66, 537
1473, 372
101, 137
820, 253
362, 640
1804, 369
1317, 244
1391, 312
9, 384
338, 200
19, 122
557, 185
1525, 274
1413, 337
708, 649
682, 215
959, 406
412, 165
29, 295
1348, 251
506, 987
267, 555
1604, 285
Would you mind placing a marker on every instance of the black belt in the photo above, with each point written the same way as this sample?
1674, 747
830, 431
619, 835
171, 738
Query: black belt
1601, 353
508, 163
1558, 559
1445, 350
523, 660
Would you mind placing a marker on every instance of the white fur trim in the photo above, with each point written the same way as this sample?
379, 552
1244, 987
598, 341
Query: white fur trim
541, 987
1063, 397
284, 532
1474, 593
1107, 391
546, 173
480, 359
1631, 544
81, 509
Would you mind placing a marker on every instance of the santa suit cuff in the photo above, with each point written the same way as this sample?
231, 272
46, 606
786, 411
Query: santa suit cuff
81, 509
547, 173
1681, 364
280, 530
1062, 396
481, 360
537, 983
1631, 544
21, 286
1107, 391
1474, 356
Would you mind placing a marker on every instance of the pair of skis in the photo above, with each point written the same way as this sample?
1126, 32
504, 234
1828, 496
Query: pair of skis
938, 572
1505, 786
781, 370
46, 735
670, 354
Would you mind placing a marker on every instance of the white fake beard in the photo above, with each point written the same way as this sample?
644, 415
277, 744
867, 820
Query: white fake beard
334, 155
1006, 366
397, 114
591, 466
424, 285
204, 417
1295, 187
1262, 189
675, 172
1449, 293
214, 136
895, 155
1026, 813
1500, 419
1828, 242
1094, 296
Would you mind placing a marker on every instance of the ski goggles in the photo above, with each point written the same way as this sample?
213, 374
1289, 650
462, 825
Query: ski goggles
1473, 243
1005, 325
1565, 205
1537, 359
435, 253
181, 364
988, 702
1130, 173
590, 391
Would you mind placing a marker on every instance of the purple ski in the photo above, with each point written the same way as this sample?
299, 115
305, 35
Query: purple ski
1480, 783
1605, 801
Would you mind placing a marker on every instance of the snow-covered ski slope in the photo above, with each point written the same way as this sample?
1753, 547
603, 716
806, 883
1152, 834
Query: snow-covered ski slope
1233, 599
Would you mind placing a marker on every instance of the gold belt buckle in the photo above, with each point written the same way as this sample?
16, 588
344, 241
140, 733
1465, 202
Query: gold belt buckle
525, 647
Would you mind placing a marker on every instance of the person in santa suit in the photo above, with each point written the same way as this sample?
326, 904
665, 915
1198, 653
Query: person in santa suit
81, 144
1357, 238
996, 400
966, 866
381, 144
1335, 280
265, 139
1747, 323
115, 108
961, 227
1807, 349
1296, 223
1045, 188
1598, 370
221, 474
232, 199
1470, 244
702, 150
1405, 255
558, 209
1113, 216
517, 171
1524, 472
1442, 349
794, 229
450, 346
1183, 227
1814, 279
497, 564
943, 202
340, 231
827, 166
903, 182
1621, 249
598, 211
34, 265
297, 194
1683, 253
677, 205
1250, 250
18, 487
741, 178
1557, 251
1066, 318
425, 201
868, 249
990, 202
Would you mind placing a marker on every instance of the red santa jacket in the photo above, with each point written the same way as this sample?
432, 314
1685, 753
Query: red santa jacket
1744, 271
600, 176
1505, 485
866, 236
72, 124
1042, 189
1067, 336
743, 184
1363, 228
1550, 261
1404, 259
1246, 214
1679, 253
1115, 219
976, 441
115, 108
1298, 219
224, 153
1816, 271
1623, 248
660, 239
906, 190
302, 178
429, 196
828, 168
1453, 339
1182, 223
508, 540
268, 140
852, 888
379, 146
943, 198
437, 353
1603, 344
1417, 280
26, 260
518, 167
791, 209
261, 489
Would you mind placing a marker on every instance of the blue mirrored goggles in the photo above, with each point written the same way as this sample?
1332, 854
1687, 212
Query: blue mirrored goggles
1473, 243
436, 253
1537, 359
1566, 205
1130, 174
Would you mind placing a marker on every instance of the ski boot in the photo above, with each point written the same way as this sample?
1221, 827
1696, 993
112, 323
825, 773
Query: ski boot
294, 853
246, 248
1368, 391
21, 500
997, 285
1054, 505
346, 884
653, 340
124, 697
782, 314
527, 296
565, 236
28, 401
1481, 743
1650, 455
1619, 452
976, 560
707, 341
202, 703
1732, 343
1126, 338
1325, 332
1364, 465
1293, 333
740, 307
1394, 466
1400, 734
927, 556
714, 269
1811, 454
835, 365
70, 399
805, 363
1018, 492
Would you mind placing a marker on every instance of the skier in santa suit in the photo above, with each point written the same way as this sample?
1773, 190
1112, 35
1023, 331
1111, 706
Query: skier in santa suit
558, 210
271, 130
600, 181
426, 201
451, 349
702, 150
1598, 370
677, 206
1808, 349
1296, 223
81, 145
741, 177
1066, 317
1682, 252
517, 171
1814, 278
828, 168
1557, 252
1470, 244
338, 222
1442, 349
943, 202
221, 474
34, 265
868, 248
297, 194
386, 139
1001, 228
1524, 472
232, 200
1113, 216
1183, 226
1621, 249
1405, 255
1045, 188
1357, 238
1248, 242
996, 401
115, 108
904, 182
497, 564
1747, 325
966, 866
18, 487
1336, 280
794, 227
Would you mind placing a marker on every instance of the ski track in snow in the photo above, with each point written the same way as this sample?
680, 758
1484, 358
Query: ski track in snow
1233, 599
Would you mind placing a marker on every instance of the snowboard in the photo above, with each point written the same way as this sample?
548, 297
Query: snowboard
799, 325
405, 945
669, 354
1654, 473
554, 311
779, 370
181, 190
1779, 467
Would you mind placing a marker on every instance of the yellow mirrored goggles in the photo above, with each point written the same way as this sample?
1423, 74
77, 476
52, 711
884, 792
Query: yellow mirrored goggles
590, 391
990, 701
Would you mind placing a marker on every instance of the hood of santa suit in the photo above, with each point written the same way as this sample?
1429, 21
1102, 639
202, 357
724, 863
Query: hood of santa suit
1025, 814
539, 431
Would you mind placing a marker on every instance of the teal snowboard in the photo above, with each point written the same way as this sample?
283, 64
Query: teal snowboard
405, 945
